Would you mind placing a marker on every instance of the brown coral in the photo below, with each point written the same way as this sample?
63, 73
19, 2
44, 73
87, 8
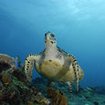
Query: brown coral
57, 97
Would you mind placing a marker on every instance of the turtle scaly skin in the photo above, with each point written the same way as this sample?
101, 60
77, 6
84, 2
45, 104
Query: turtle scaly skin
54, 63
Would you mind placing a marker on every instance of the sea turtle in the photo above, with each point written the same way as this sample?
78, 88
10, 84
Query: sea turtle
54, 63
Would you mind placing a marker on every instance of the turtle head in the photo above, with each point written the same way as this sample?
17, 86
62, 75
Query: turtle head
50, 39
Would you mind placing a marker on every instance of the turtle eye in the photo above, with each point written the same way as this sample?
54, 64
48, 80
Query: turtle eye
45, 34
52, 35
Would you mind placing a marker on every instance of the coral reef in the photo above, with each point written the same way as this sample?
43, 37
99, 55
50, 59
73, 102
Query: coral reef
16, 91
14, 87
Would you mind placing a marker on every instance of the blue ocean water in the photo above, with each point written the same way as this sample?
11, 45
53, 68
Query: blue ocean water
79, 26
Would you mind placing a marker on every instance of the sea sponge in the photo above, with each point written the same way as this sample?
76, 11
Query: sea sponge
57, 97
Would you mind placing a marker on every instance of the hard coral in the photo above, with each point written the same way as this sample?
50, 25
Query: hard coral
57, 97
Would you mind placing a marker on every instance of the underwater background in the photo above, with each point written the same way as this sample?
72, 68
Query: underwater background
79, 26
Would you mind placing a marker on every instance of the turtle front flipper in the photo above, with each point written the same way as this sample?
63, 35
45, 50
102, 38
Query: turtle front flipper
29, 64
76, 69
